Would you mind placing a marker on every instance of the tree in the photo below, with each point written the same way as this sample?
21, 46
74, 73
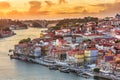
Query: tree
97, 70
24, 40
55, 28
117, 41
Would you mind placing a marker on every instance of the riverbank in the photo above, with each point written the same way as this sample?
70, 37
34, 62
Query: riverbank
62, 67
65, 68
12, 69
5, 34
71, 55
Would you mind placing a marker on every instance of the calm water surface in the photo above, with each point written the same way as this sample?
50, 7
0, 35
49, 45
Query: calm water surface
19, 70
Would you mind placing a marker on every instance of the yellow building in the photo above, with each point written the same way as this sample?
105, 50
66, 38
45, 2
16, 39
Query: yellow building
87, 53
42, 35
79, 56
79, 60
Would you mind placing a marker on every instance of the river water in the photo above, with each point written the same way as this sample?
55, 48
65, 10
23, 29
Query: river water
19, 70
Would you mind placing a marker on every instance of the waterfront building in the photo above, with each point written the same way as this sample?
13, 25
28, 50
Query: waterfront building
90, 45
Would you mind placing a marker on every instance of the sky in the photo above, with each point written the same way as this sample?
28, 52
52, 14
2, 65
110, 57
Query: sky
57, 9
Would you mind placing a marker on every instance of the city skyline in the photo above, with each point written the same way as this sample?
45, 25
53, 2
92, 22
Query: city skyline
57, 9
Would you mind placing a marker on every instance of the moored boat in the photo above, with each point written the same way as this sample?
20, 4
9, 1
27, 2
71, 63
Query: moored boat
83, 75
65, 70
53, 67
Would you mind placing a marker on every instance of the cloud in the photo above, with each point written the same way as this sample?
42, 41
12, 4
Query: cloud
51, 8
109, 7
44, 12
117, 0
49, 3
86, 12
64, 12
62, 1
34, 10
1, 14
78, 10
101, 9
14, 13
4, 5
70, 10
78, 7
34, 6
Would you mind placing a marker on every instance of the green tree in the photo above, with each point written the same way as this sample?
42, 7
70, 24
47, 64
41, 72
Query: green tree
97, 70
24, 40
117, 41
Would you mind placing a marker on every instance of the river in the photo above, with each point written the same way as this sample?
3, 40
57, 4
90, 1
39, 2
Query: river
19, 70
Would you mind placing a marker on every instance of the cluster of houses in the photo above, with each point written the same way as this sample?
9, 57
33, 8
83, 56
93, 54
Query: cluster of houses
33, 49
7, 25
12, 24
6, 33
90, 44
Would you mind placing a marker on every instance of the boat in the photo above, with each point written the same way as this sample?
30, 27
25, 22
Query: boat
89, 73
74, 70
53, 67
64, 70
13, 57
83, 75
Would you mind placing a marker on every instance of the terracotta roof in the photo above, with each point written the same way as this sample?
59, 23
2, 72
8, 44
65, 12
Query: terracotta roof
22, 44
101, 51
100, 28
93, 49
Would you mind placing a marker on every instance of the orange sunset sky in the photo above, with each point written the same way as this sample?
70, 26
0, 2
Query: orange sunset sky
57, 9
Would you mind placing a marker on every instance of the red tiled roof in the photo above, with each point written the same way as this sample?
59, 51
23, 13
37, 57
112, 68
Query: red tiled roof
118, 55
100, 28
22, 44
94, 35
101, 51
92, 48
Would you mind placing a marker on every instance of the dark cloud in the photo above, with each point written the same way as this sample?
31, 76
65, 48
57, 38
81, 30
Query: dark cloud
4, 5
34, 6
62, 1
49, 3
